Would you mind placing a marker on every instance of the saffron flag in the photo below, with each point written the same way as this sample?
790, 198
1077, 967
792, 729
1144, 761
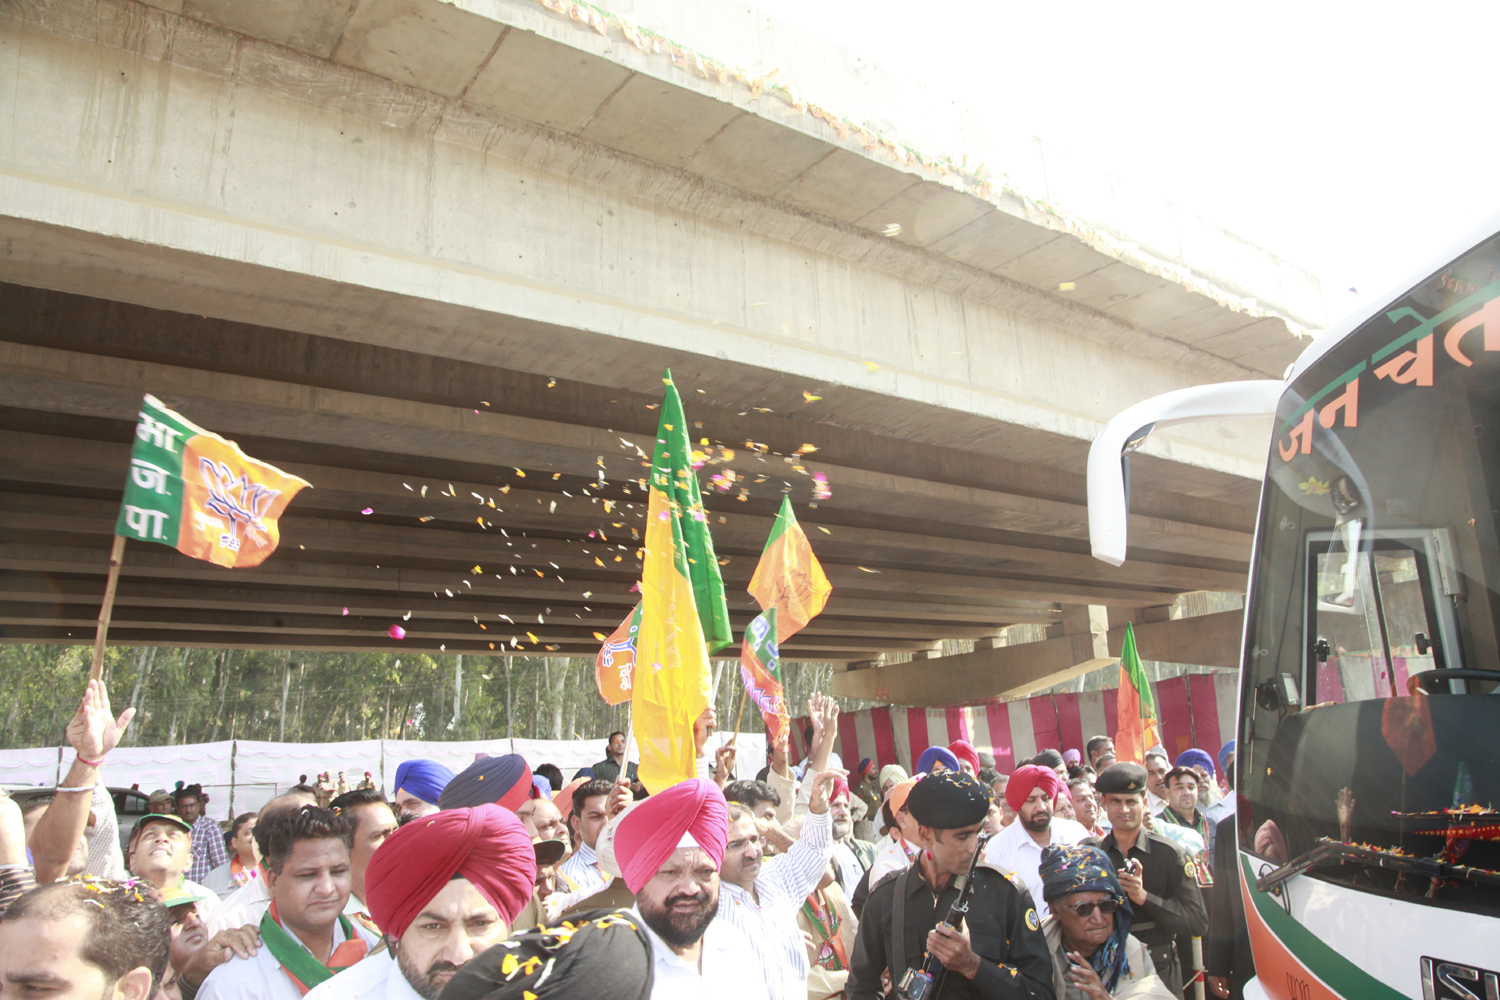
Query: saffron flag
614, 669
788, 576
760, 669
195, 491
1136, 728
684, 615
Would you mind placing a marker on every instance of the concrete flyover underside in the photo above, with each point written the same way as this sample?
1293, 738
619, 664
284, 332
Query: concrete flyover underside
386, 249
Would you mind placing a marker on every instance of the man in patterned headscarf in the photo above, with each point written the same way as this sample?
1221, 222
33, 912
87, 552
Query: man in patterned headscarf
1088, 932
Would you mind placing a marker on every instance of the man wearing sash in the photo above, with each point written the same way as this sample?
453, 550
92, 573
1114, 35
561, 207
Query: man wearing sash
445, 888
306, 938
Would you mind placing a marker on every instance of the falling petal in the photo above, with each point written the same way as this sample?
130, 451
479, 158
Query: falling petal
424, 520
368, 510
600, 636
867, 569
872, 366
532, 637
404, 484
396, 632
809, 397
551, 382
1067, 286
346, 611
477, 571
520, 473
891, 230
406, 617
824, 530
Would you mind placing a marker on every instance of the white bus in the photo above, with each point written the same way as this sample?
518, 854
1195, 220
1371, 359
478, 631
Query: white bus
1368, 765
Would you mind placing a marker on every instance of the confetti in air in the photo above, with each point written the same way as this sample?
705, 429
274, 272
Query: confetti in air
396, 632
368, 510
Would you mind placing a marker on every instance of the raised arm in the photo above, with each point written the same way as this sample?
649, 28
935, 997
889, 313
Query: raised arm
93, 733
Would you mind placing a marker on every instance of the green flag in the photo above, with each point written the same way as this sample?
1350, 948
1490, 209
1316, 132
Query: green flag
672, 474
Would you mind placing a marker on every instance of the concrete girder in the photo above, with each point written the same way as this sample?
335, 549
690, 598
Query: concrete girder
1014, 671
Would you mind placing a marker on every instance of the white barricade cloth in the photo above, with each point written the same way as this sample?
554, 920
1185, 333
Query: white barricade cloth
149, 768
243, 775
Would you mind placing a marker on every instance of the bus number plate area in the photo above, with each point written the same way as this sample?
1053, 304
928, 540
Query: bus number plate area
1453, 981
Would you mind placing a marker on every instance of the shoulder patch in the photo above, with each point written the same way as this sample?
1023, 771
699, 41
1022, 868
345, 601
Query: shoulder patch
887, 878
1031, 921
1187, 868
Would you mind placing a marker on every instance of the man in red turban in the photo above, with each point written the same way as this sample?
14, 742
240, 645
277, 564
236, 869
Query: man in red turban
668, 849
1033, 793
443, 888
968, 757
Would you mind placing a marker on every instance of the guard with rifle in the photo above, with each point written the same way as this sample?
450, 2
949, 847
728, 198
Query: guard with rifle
949, 926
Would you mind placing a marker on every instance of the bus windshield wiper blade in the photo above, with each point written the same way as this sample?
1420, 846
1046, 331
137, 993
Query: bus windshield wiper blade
1333, 852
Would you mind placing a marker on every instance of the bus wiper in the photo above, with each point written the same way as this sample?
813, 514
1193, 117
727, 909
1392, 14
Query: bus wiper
1333, 852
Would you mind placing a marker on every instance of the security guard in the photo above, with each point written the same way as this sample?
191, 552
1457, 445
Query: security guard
1163, 888
998, 953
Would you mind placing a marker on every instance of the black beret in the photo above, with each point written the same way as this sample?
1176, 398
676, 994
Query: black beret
1121, 779
602, 954
949, 800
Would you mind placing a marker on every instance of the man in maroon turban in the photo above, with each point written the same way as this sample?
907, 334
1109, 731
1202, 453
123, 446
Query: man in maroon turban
968, 757
443, 888
668, 849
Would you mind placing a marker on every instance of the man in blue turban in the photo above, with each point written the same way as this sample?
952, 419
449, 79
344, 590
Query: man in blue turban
932, 757
1088, 929
419, 785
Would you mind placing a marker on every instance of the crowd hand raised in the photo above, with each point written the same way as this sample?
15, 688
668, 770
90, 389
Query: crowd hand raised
818, 804
620, 797
94, 731
952, 948
703, 727
771, 833
724, 765
778, 755
1081, 975
236, 942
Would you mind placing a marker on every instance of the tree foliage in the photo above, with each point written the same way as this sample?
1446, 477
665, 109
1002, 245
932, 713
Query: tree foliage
294, 696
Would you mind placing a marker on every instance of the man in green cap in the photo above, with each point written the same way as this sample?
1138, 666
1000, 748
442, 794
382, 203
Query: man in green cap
161, 849
997, 952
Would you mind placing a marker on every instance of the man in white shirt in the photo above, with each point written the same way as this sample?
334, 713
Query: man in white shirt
244, 906
1032, 792
305, 937
668, 849
374, 820
590, 803
1157, 767
445, 888
762, 897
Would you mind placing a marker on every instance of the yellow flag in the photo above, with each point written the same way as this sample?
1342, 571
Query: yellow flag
671, 683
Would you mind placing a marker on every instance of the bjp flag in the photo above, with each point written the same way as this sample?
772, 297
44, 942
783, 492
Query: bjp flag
195, 491
682, 605
1136, 728
788, 576
614, 668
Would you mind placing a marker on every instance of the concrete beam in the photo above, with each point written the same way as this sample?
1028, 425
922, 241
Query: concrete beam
1014, 671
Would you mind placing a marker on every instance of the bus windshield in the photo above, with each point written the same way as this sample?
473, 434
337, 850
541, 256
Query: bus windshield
1370, 715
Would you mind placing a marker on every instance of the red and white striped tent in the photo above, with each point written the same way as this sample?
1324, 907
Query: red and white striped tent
1197, 710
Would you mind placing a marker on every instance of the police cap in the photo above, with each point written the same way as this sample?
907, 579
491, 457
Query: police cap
949, 800
1121, 779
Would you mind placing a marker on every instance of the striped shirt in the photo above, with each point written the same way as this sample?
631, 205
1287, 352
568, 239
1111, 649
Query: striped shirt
783, 884
105, 857
583, 870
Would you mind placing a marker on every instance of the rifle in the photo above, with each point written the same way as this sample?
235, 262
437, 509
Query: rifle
917, 984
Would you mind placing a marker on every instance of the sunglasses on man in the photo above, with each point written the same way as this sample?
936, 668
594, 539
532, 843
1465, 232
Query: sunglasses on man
1086, 910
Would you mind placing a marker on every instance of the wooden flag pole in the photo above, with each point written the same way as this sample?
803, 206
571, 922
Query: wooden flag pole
740, 715
116, 557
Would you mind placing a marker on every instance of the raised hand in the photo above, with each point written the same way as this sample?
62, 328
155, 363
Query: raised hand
818, 804
94, 731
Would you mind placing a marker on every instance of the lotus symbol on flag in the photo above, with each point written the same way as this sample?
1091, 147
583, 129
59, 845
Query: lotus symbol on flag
238, 498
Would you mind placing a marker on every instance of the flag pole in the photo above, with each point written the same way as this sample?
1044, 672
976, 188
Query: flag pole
116, 557
740, 715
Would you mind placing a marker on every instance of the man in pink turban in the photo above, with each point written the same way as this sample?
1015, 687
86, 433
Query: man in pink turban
1033, 793
668, 849
968, 757
443, 888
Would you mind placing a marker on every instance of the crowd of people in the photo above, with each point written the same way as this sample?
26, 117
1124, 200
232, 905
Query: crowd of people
1074, 876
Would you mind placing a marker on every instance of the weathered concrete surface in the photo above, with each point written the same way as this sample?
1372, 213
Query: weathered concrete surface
333, 230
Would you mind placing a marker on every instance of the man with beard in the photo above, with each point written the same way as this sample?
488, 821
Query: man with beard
418, 786
852, 857
997, 952
762, 898
1032, 792
305, 937
445, 889
668, 849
